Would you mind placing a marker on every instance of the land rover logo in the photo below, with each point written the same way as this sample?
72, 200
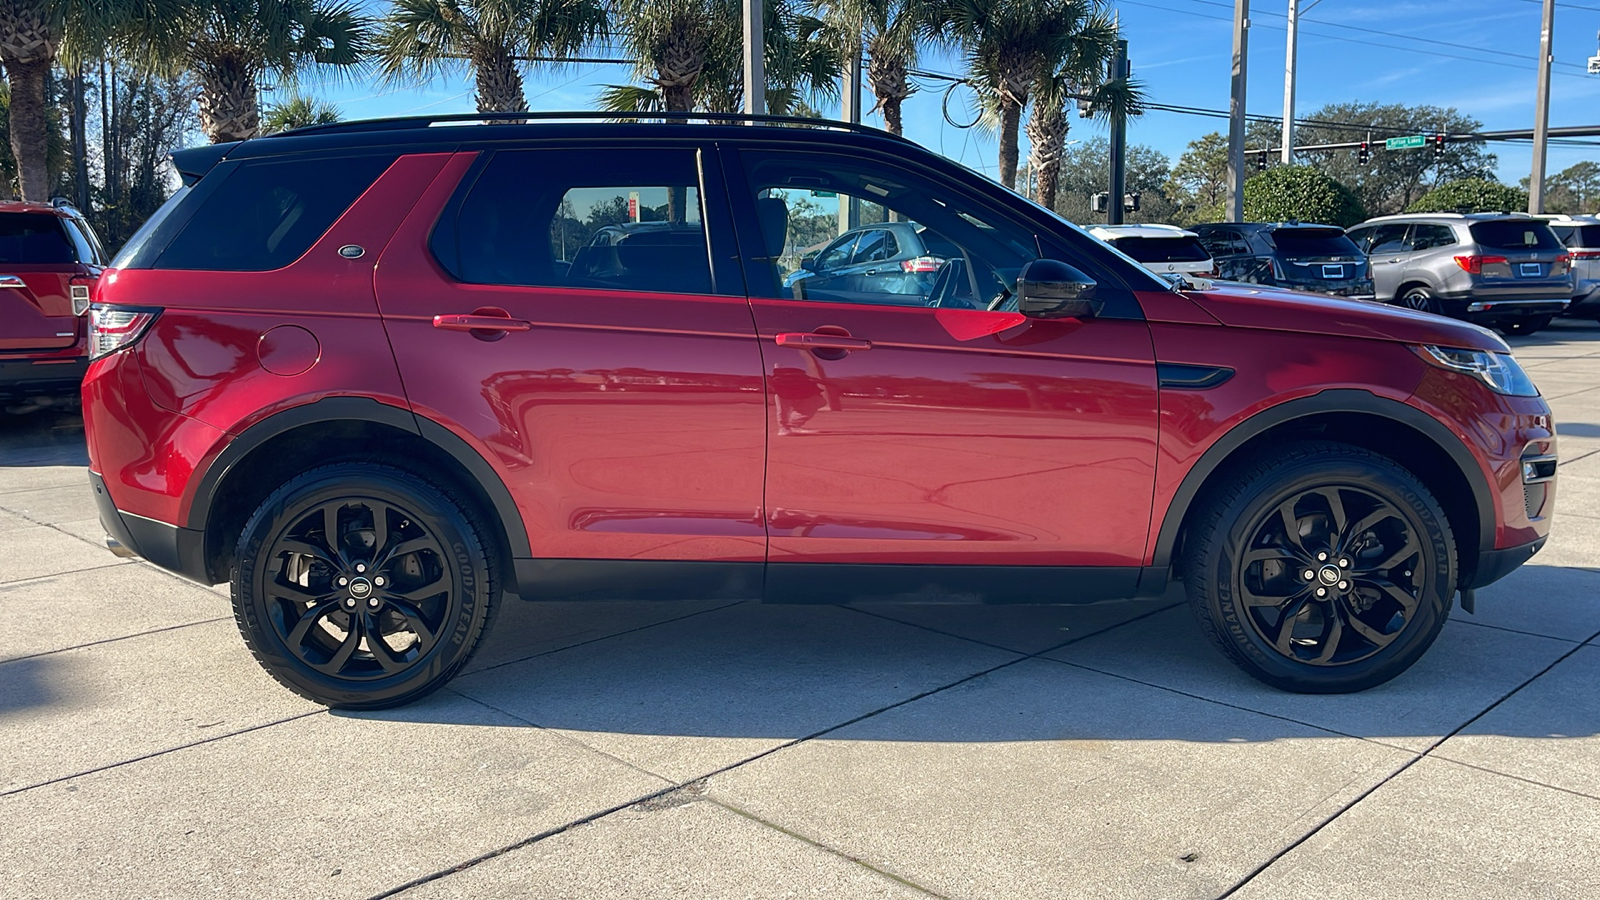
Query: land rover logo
360, 588
1327, 575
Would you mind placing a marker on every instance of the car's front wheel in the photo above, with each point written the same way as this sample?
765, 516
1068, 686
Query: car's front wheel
1321, 568
360, 586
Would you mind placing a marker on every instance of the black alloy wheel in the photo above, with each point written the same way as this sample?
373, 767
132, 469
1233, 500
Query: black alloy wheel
360, 587
1321, 568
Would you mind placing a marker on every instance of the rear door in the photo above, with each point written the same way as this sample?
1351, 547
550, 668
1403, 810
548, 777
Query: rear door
37, 264
616, 389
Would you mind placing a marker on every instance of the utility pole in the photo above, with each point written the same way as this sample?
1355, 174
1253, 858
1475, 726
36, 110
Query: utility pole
1119, 141
1291, 53
1236, 176
755, 75
850, 111
1541, 112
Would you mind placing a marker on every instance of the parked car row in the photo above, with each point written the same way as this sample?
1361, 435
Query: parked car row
1510, 271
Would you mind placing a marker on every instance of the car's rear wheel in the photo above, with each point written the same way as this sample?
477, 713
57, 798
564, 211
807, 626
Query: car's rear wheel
360, 586
1528, 325
1422, 300
1321, 568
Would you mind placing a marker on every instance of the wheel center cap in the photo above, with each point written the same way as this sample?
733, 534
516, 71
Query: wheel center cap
360, 588
1327, 575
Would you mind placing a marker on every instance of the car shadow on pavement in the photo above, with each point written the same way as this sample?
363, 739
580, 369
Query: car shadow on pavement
48, 437
781, 673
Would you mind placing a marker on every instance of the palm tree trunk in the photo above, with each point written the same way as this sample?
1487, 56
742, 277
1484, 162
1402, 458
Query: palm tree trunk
229, 107
1047, 140
499, 82
1010, 124
887, 75
30, 127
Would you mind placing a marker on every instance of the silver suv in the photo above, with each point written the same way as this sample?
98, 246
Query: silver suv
1498, 269
1581, 234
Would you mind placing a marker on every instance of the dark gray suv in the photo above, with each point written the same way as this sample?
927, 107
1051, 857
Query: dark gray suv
1503, 270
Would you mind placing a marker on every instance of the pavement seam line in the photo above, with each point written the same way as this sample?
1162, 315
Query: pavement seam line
163, 752
1427, 753
1523, 779
823, 847
1576, 458
113, 640
1519, 631
110, 565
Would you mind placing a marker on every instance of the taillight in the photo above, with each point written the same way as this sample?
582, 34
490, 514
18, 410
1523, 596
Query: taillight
1562, 265
1585, 254
113, 328
1474, 264
921, 264
80, 287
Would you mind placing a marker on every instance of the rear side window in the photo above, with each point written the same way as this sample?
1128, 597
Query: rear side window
587, 219
34, 239
1511, 234
1314, 242
269, 212
1159, 250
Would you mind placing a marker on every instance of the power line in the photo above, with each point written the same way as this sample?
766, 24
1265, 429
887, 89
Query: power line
1363, 43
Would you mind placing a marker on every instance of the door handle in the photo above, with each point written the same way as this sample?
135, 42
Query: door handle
480, 323
1393, 261
870, 272
806, 341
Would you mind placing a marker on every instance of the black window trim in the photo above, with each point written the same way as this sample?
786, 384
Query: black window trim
727, 279
1099, 262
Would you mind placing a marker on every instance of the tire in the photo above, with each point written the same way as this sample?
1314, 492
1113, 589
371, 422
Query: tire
427, 583
1420, 299
1528, 326
1243, 572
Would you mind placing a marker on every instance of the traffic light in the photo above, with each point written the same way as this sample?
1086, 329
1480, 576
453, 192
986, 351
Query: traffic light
1130, 202
1438, 146
1261, 161
1100, 202
1365, 153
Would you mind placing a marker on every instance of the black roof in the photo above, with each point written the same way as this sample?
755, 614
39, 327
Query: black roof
448, 132
1256, 227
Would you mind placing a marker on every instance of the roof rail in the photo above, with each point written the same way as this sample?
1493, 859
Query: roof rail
404, 122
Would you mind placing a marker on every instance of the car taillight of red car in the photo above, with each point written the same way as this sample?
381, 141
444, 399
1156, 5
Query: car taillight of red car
117, 328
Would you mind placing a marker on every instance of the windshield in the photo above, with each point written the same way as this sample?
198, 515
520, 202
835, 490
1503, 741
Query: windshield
1513, 234
1314, 242
1162, 249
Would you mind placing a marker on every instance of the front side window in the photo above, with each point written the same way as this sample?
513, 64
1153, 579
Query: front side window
973, 256
266, 213
582, 219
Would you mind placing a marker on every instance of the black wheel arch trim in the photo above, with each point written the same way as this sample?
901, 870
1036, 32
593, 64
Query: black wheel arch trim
365, 409
1329, 401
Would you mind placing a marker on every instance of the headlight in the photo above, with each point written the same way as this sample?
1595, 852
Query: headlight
1497, 370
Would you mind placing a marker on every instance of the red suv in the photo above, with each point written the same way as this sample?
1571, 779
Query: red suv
49, 260
381, 374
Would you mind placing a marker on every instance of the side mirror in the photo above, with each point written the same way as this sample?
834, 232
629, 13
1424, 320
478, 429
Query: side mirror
1051, 289
809, 263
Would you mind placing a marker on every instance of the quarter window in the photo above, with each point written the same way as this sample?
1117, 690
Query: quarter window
582, 219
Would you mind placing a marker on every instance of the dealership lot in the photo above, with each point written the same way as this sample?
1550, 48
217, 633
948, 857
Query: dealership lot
739, 750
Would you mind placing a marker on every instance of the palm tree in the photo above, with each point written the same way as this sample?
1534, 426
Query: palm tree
689, 53
299, 112
491, 38
889, 32
231, 44
1078, 77
1010, 45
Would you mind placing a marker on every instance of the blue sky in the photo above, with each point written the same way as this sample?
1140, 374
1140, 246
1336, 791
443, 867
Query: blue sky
1475, 55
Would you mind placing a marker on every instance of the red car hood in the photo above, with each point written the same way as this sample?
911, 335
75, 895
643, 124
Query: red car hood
1253, 306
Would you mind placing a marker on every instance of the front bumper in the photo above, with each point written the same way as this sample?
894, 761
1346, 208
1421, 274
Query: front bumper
174, 548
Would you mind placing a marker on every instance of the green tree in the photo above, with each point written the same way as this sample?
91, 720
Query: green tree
1086, 170
491, 39
298, 111
1471, 195
1300, 193
230, 44
1391, 180
1080, 74
1574, 190
890, 33
1011, 44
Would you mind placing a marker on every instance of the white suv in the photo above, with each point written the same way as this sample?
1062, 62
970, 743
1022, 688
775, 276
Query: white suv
1581, 235
1160, 248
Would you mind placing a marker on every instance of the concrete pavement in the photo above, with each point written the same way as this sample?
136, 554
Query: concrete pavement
738, 750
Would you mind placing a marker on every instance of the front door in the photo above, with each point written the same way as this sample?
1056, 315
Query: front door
564, 313
957, 434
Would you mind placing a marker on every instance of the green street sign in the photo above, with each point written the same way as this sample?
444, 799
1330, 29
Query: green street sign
1408, 142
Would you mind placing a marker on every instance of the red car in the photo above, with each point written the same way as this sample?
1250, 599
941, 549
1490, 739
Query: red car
49, 260
380, 375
